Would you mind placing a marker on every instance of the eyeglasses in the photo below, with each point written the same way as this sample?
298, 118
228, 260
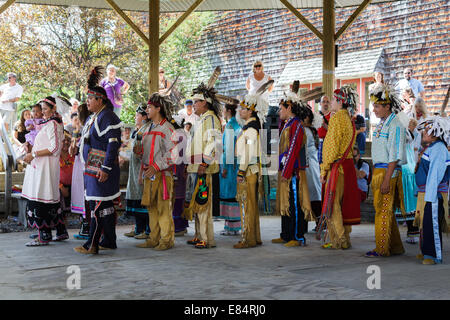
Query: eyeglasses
257, 66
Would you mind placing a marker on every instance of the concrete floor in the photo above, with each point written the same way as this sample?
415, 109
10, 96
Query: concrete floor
269, 272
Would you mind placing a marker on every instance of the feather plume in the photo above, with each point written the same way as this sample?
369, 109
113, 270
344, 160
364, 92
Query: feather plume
295, 86
167, 92
313, 94
226, 99
318, 120
95, 77
212, 80
437, 126
264, 87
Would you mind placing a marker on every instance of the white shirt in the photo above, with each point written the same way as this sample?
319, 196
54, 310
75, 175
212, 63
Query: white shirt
9, 92
41, 181
193, 118
255, 85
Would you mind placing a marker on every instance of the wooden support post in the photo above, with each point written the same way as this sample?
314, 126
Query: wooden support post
302, 19
153, 52
329, 23
6, 5
352, 18
180, 20
128, 20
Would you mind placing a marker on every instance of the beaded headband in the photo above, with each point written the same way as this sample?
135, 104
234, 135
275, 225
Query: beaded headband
96, 94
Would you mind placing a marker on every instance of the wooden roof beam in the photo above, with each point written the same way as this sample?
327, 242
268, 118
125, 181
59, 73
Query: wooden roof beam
180, 20
303, 19
6, 5
352, 18
128, 21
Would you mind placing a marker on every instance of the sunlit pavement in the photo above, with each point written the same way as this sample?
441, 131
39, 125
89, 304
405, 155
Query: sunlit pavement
270, 271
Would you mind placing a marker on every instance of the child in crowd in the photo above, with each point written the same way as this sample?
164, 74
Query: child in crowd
33, 125
362, 173
432, 177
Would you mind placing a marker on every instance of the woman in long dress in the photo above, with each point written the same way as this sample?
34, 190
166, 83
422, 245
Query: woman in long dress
229, 207
77, 201
41, 182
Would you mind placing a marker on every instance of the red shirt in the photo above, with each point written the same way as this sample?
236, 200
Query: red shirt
66, 168
322, 132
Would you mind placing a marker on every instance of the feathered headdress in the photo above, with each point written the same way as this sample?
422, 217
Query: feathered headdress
437, 126
385, 94
208, 93
256, 102
141, 109
94, 87
348, 97
164, 103
94, 82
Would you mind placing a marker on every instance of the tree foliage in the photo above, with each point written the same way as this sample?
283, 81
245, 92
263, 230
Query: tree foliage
52, 49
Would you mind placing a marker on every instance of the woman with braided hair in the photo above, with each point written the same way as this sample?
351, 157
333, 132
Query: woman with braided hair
99, 147
156, 173
339, 209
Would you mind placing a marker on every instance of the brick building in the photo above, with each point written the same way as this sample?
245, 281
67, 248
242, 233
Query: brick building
387, 36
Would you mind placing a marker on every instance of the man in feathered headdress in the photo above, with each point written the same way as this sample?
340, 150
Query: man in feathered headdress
252, 111
203, 165
157, 168
432, 178
293, 203
100, 143
388, 154
339, 210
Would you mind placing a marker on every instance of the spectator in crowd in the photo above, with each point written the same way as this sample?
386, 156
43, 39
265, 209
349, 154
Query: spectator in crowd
362, 173
66, 161
325, 111
407, 98
75, 104
41, 181
74, 123
126, 147
410, 82
19, 140
188, 114
257, 78
115, 88
379, 80
360, 124
10, 93
33, 125
164, 84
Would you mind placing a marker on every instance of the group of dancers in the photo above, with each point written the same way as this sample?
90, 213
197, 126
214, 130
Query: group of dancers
165, 159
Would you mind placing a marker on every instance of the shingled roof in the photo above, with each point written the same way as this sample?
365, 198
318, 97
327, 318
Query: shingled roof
351, 65
412, 33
